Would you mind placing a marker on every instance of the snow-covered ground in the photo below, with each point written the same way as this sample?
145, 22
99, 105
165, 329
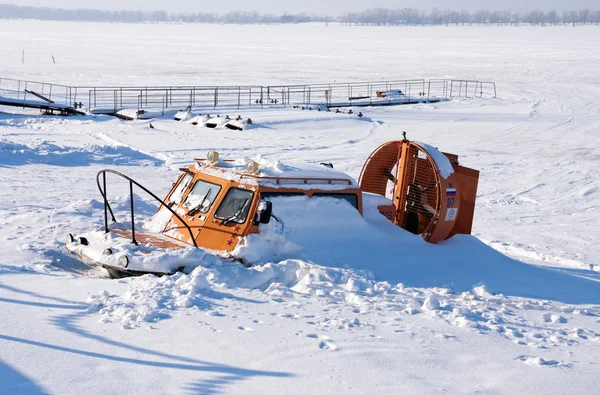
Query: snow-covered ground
338, 303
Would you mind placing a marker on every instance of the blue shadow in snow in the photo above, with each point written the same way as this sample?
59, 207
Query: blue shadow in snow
40, 304
10, 269
69, 322
14, 382
65, 302
211, 386
15, 154
198, 366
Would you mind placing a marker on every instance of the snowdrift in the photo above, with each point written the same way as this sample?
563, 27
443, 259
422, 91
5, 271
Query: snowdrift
331, 233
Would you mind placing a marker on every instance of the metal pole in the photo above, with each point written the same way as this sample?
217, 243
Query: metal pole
349, 93
132, 215
428, 89
105, 203
25, 94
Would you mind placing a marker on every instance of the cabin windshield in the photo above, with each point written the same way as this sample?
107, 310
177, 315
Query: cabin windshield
235, 206
179, 191
202, 196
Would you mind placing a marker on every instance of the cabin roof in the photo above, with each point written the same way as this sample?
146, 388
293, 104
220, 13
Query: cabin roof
278, 175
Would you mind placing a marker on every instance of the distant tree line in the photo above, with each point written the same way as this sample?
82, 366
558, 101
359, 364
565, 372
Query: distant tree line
411, 16
373, 16
9, 11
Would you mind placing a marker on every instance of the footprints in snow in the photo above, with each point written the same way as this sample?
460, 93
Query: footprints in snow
327, 344
539, 361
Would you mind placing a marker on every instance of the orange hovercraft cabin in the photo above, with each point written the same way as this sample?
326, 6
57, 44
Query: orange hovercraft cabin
215, 203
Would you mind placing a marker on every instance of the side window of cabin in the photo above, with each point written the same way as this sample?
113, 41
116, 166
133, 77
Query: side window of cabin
179, 191
349, 197
267, 195
202, 196
235, 205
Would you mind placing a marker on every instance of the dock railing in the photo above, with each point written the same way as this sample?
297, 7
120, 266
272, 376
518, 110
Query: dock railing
112, 99
21, 90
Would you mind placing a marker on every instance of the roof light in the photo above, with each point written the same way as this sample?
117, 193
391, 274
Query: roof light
69, 239
212, 156
252, 167
108, 251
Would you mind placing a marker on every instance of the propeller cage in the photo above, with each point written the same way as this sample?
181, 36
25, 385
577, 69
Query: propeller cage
424, 186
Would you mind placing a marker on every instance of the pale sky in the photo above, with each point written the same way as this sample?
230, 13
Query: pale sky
331, 7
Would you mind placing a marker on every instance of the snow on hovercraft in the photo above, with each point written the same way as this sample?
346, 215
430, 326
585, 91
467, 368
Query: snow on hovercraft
216, 203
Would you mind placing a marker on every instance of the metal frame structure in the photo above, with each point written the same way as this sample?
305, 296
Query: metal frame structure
132, 182
109, 100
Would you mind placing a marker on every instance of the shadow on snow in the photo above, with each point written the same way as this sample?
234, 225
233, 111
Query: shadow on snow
228, 374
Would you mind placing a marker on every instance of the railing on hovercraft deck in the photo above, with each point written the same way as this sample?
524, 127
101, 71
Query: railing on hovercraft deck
107, 207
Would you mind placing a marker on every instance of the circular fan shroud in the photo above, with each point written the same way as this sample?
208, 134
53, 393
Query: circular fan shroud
419, 193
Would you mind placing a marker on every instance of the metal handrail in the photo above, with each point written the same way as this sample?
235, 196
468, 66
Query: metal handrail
131, 183
224, 96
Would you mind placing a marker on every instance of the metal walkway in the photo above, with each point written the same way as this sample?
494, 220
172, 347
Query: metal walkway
48, 107
50, 98
110, 100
